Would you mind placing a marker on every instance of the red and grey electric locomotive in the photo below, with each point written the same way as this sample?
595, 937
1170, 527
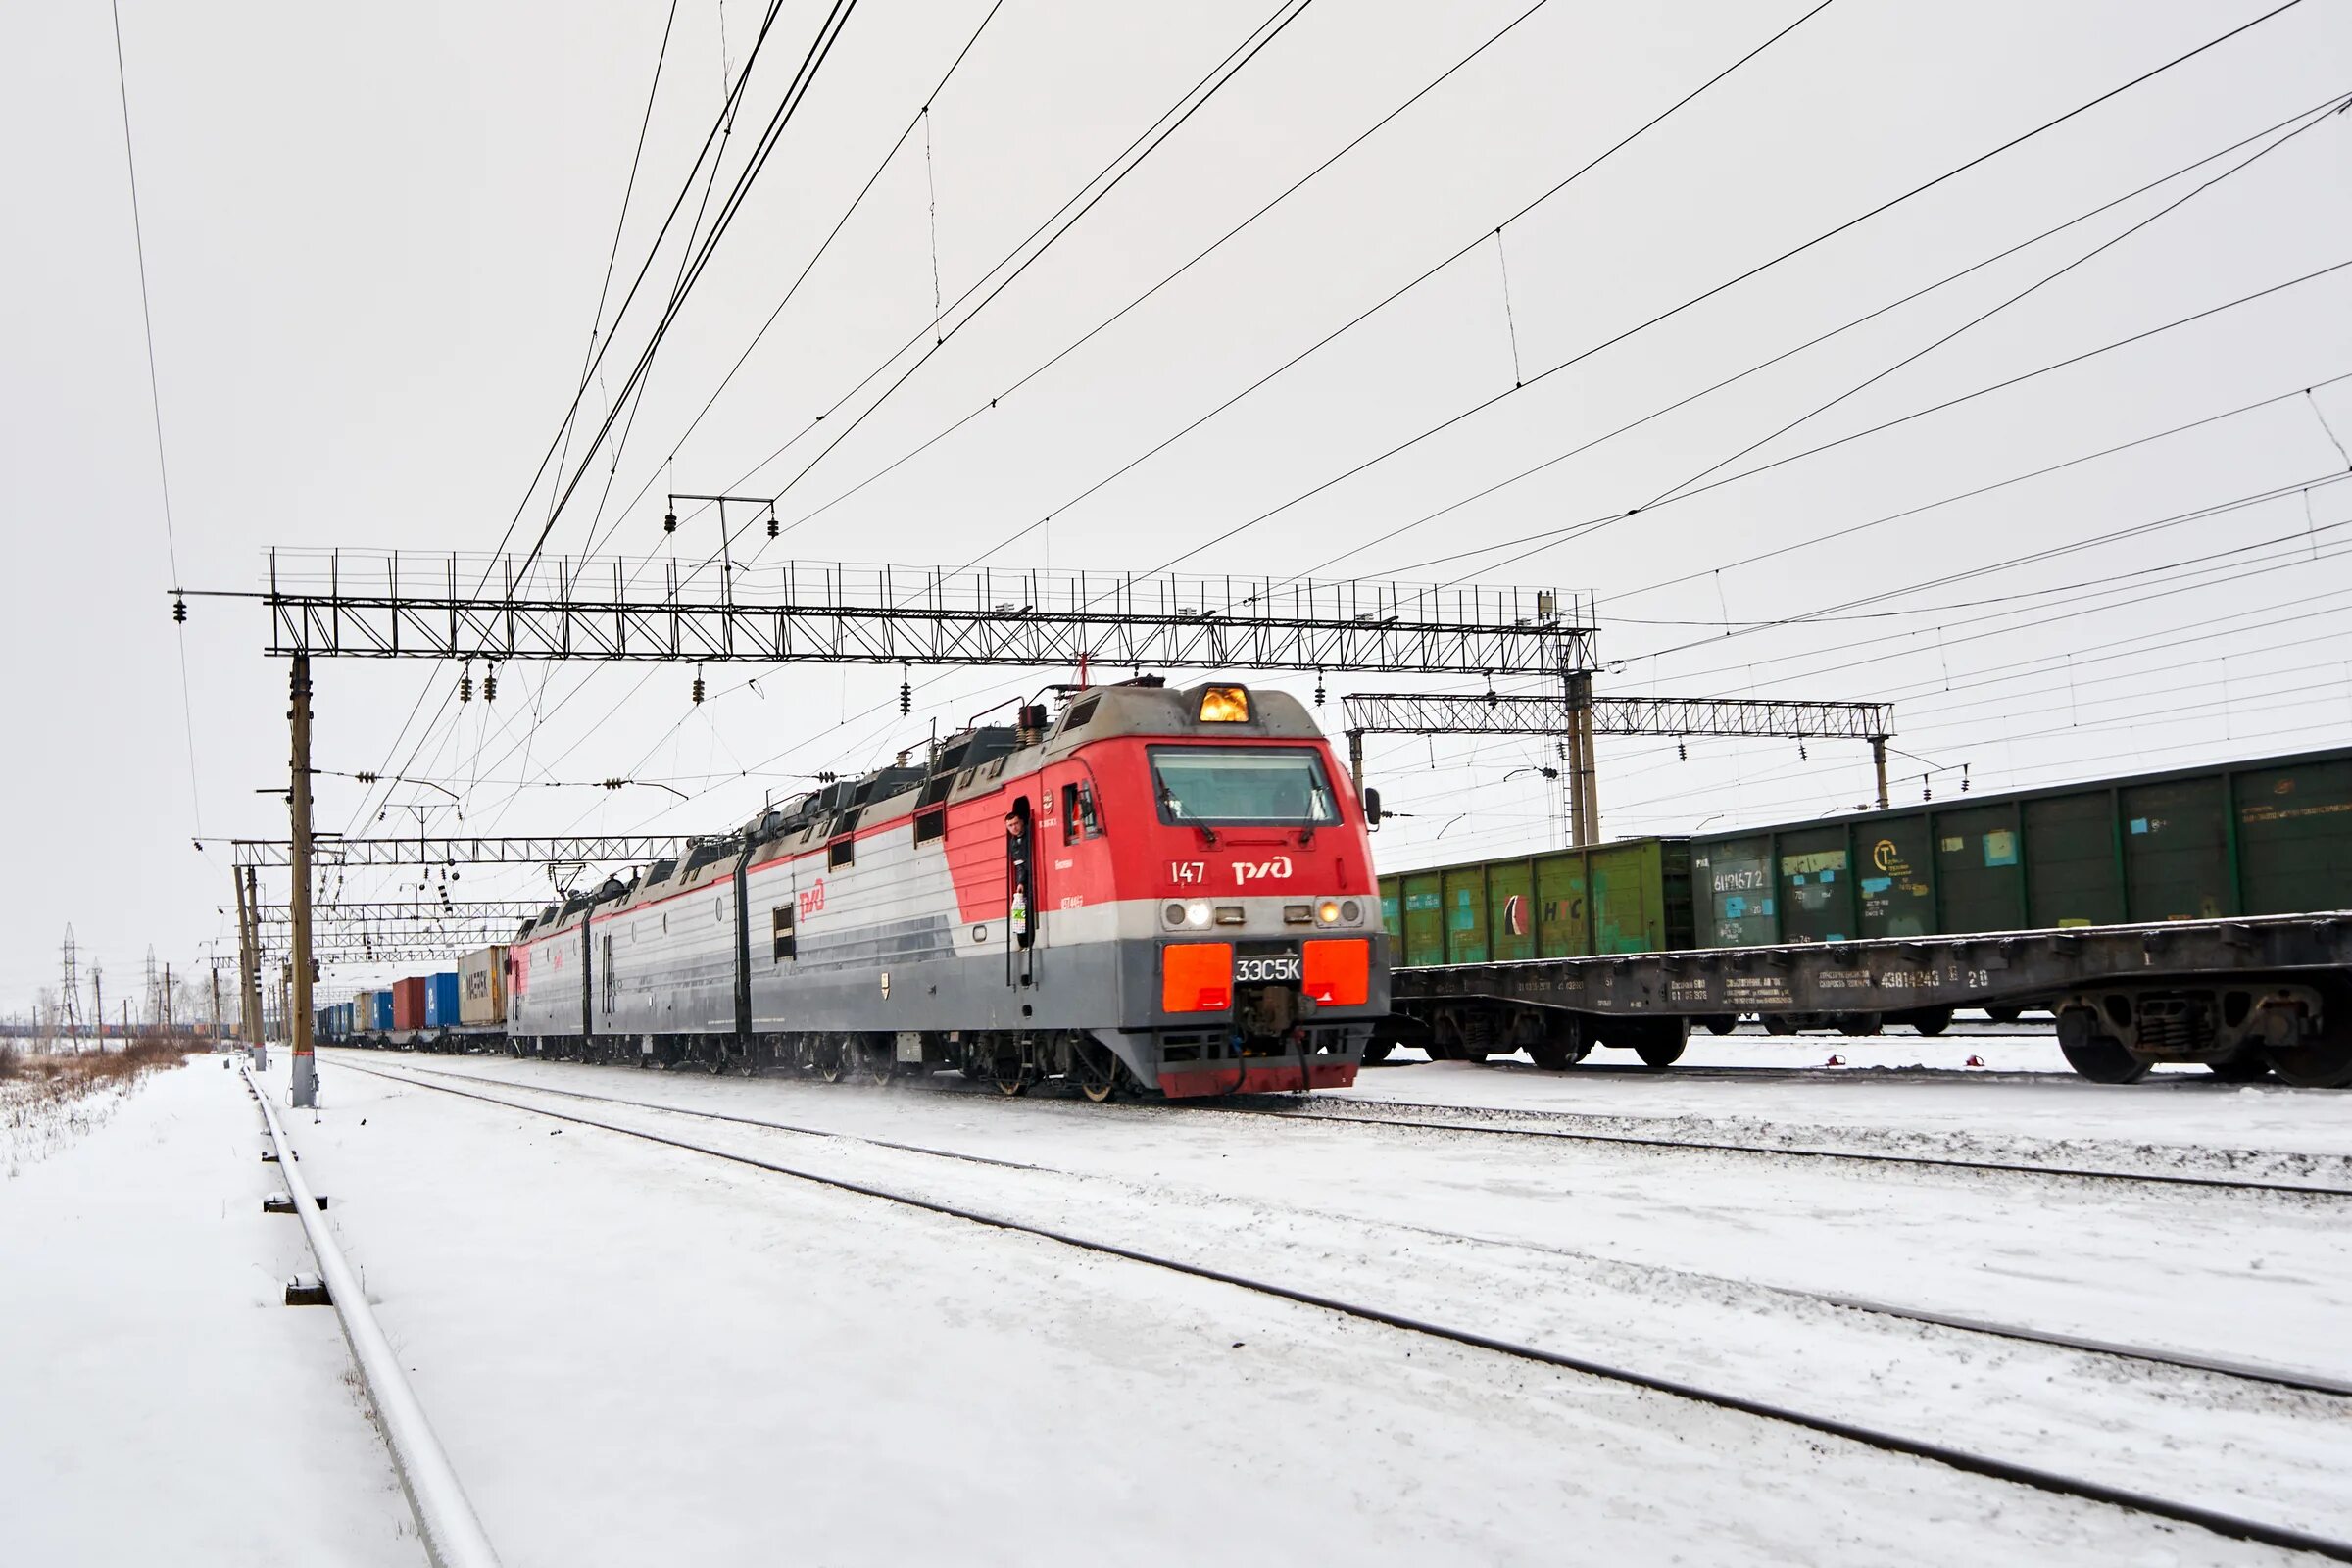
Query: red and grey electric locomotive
1159, 889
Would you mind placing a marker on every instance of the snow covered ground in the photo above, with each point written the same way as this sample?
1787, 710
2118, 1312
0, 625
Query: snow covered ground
159, 1403
635, 1352
1900, 1092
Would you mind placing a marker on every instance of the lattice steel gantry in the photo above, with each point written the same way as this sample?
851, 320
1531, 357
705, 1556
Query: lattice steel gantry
1577, 715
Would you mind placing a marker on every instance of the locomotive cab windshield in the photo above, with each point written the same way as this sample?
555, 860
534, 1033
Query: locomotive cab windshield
1255, 787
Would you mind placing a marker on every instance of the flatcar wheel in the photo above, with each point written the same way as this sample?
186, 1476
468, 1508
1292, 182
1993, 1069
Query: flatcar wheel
1721, 1024
1660, 1055
2316, 1064
2247, 1066
2102, 1060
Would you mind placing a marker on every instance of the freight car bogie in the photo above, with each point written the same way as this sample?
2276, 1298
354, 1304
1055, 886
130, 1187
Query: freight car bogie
2299, 1030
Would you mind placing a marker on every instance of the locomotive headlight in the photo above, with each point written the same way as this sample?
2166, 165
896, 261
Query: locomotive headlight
1328, 912
1196, 913
1173, 914
1351, 911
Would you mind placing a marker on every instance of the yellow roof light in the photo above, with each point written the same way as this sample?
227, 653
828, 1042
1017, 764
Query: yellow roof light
1225, 704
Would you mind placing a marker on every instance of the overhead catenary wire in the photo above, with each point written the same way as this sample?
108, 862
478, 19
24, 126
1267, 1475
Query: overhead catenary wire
1816, 340
819, 255
155, 404
1661, 317
1577, 530
1408, 287
2316, 119
1550, 538
795, 94
1166, 278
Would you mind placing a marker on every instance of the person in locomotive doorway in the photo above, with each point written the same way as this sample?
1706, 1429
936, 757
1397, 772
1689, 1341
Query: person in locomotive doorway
1018, 871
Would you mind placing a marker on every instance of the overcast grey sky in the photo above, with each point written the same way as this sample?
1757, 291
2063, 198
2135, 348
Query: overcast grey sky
375, 240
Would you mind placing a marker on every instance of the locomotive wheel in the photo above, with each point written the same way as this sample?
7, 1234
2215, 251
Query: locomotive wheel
1017, 1084
880, 1065
2102, 1060
1095, 1070
2247, 1066
1376, 1051
831, 1065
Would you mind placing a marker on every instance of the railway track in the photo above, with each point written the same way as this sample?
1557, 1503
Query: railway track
2218, 1521
1437, 1120
2251, 1372
1482, 1120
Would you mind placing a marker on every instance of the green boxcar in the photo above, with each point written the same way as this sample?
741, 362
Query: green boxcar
2265, 837
1633, 897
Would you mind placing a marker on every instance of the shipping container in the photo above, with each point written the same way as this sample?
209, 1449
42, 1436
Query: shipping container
482, 988
1631, 896
381, 1008
441, 1000
408, 1004
2266, 837
363, 1012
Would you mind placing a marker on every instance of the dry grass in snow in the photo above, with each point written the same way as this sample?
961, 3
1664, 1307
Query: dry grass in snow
47, 1100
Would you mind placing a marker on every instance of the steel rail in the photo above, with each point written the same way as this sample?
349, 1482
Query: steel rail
2232, 1526
1709, 1145
446, 1522
2243, 1371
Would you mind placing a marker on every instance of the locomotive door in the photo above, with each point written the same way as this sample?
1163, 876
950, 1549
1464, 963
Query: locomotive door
1021, 894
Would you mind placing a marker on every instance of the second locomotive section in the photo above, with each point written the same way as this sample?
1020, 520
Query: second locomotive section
1165, 891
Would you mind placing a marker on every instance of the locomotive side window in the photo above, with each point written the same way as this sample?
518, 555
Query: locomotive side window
1222, 787
786, 945
841, 852
931, 825
1078, 818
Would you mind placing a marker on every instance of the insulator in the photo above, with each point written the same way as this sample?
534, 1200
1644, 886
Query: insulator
179, 611
906, 699
827, 778
1925, 794
490, 686
465, 688
1492, 697
698, 687
669, 522
1802, 755
1318, 693
774, 527
1682, 751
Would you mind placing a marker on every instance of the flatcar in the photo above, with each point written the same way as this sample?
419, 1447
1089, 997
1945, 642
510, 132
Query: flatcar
2182, 854
1156, 890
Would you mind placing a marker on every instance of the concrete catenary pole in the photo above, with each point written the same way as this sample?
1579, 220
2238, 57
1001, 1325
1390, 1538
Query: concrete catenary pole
298, 1025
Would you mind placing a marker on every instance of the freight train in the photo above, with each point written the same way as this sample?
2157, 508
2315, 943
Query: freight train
2185, 916
453, 1011
1156, 890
